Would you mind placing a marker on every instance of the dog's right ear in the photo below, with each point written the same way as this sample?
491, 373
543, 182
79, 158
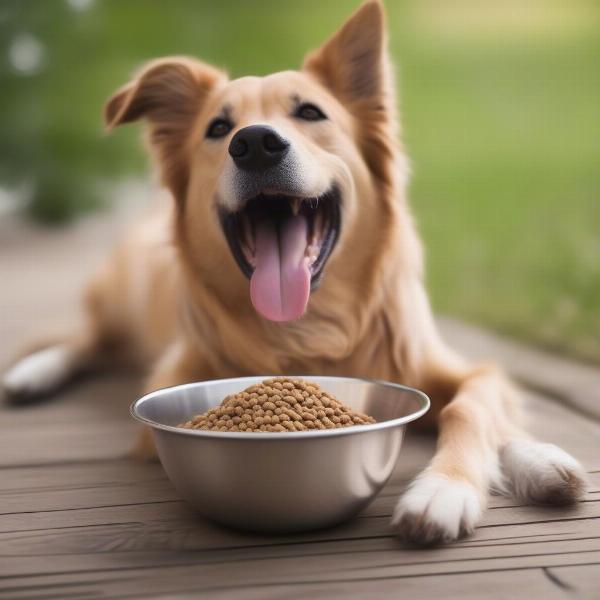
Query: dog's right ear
169, 94
353, 64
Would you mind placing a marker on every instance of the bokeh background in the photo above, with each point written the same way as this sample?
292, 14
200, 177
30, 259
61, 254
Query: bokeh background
500, 109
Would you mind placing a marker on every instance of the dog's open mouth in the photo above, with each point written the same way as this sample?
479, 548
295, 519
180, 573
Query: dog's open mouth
282, 243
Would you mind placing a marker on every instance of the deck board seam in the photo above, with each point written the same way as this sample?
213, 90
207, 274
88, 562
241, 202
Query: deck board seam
332, 581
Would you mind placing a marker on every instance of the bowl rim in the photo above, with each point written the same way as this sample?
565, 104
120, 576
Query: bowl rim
275, 435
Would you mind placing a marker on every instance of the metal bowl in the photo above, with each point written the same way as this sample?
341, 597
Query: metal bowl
280, 482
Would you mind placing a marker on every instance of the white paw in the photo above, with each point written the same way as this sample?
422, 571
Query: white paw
40, 372
539, 473
437, 509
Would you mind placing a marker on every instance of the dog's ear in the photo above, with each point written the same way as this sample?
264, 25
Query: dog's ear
169, 94
353, 63
354, 66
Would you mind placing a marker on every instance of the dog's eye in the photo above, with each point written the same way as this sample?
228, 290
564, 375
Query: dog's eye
309, 112
218, 128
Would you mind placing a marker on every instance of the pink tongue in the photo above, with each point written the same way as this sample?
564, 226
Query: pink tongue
280, 284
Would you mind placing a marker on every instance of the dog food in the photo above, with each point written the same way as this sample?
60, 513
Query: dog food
281, 404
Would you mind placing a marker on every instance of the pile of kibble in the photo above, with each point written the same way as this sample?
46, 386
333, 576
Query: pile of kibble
281, 404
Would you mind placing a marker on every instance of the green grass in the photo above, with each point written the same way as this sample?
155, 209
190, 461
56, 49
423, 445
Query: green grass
500, 117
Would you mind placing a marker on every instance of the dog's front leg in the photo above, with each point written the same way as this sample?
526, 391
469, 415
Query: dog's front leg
482, 446
180, 364
446, 501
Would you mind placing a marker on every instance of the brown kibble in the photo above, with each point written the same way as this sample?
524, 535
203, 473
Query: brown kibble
283, 404
294, 415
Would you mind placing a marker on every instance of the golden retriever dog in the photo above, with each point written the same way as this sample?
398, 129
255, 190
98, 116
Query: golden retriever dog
289, 248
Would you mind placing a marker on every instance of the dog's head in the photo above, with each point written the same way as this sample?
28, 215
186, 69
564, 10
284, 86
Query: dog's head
277, 176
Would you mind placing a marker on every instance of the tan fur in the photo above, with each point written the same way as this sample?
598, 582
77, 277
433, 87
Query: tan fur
174, 297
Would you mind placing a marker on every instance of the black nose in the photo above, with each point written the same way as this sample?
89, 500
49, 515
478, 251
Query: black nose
257, 147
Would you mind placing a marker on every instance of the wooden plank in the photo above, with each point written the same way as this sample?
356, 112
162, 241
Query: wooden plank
219, 570
170, 535
180, 524
88, 422
583, 580
63, 493
39, 478
575, 383
493, 585
498, 585
167, 538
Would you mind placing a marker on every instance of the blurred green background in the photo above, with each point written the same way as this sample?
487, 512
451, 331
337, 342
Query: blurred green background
500, 107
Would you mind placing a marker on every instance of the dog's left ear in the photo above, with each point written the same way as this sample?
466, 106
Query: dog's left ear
353, 63
354, 66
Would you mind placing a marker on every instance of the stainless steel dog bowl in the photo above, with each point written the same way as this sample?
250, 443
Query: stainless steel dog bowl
280, 482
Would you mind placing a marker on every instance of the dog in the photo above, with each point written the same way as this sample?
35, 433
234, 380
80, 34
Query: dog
289, 247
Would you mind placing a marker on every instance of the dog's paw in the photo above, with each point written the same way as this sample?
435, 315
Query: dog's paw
436, 509
539, 473
39, 373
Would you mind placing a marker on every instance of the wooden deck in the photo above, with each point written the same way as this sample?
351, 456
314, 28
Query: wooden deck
77, 520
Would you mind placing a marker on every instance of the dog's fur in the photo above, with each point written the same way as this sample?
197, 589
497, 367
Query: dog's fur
172, 294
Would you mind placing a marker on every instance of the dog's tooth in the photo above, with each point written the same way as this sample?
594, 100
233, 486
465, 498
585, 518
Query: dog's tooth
312, 253
296, 203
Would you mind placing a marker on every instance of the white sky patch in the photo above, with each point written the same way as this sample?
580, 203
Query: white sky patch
26, 54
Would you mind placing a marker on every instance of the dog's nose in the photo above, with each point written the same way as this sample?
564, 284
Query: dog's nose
257, 147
